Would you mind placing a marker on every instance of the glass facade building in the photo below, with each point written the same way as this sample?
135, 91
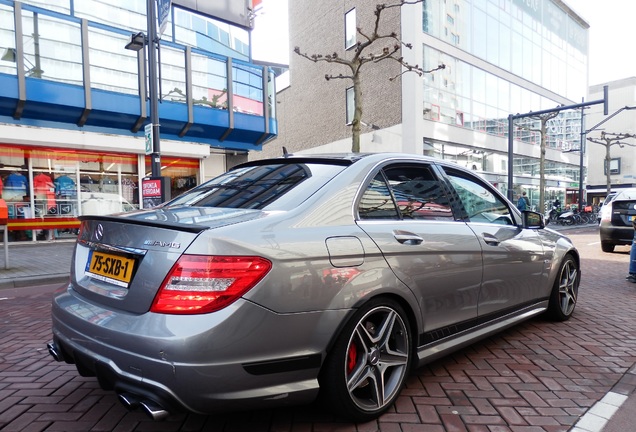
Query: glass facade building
504, 57
501, 57
74, 102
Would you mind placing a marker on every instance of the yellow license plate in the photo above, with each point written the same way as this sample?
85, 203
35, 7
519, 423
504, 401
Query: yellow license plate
110, 268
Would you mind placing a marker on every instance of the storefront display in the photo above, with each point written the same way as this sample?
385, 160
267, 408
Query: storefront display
46, 189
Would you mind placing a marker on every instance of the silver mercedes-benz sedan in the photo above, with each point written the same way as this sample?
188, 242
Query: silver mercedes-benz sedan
288, 279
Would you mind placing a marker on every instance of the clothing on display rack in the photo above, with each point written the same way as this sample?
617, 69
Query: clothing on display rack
15, 187
44, 190
65, 187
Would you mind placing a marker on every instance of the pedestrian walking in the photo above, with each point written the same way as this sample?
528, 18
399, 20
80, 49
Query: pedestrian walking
523, 203
631, 277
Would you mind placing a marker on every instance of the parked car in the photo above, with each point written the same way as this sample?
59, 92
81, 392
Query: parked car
288, 279
616, 220
610, 196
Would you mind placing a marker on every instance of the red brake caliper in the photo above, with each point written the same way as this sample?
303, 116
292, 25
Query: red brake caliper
352, 357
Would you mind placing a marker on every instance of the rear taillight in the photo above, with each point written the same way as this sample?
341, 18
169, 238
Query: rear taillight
606, 212
201, 284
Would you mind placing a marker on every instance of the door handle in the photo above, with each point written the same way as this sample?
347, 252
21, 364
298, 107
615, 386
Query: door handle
407, 238
490, 239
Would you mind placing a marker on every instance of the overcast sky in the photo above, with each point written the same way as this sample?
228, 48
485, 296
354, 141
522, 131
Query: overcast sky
612, 52
269, 37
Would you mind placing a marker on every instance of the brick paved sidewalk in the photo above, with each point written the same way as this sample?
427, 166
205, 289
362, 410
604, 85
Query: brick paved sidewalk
36, 263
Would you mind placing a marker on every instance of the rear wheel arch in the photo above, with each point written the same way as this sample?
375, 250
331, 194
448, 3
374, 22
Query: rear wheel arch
414, 321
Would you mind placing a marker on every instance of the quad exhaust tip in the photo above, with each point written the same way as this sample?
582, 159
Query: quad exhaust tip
128, 400
53, 350
152, 409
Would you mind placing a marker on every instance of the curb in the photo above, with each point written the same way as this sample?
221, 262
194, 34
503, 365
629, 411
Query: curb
34, 281
598, 416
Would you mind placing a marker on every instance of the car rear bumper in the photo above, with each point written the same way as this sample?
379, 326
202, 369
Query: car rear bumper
616, 235
202, 366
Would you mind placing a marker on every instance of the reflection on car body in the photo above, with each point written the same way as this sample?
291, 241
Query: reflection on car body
306, 276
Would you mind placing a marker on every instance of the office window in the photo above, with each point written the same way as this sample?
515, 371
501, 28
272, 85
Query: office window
350, 105
350, 28
615, 166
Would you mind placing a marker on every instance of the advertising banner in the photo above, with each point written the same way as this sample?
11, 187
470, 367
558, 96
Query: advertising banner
151, 191
163, 11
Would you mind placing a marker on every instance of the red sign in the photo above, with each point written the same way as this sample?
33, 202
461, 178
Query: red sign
151, 188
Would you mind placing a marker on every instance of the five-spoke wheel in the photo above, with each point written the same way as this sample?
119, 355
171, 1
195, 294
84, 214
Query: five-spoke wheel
370, 361
565, 290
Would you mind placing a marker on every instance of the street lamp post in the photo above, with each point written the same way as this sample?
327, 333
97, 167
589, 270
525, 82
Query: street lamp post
155, 189
155, 159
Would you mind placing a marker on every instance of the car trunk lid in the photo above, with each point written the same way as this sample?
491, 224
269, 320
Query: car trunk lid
121, 261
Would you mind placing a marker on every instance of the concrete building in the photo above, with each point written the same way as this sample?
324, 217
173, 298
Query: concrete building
501, 56
622, 153
74, 103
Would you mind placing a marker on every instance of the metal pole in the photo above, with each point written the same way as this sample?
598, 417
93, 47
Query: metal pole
155, 159
581, 152
510, 157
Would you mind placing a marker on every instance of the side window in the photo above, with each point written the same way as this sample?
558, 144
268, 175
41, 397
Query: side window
418, 193
377, 202
481, 204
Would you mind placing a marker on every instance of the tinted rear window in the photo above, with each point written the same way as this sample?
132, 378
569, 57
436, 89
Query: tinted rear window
275, 186
625, 195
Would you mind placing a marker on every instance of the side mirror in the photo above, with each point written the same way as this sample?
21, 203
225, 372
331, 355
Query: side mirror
532, 220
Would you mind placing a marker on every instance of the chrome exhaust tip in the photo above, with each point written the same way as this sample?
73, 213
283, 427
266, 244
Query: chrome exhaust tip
130, 401
53, 350
154, 410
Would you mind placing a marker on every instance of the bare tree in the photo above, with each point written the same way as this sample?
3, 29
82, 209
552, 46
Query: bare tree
608, 140
385, 47
543, 118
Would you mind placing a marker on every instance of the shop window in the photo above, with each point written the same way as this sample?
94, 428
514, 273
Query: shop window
47, 188
183, 173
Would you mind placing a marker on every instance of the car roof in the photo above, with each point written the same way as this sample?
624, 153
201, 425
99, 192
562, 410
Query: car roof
625, 195
346, 159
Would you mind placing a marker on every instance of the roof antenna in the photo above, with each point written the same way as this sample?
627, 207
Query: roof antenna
285, 152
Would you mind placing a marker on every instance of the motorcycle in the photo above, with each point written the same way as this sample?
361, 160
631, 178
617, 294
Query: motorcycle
550, 216
566, 218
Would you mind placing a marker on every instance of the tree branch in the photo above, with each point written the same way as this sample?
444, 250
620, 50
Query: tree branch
339, 76
417, 69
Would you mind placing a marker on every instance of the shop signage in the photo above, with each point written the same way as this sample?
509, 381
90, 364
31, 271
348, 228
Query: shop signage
151, 192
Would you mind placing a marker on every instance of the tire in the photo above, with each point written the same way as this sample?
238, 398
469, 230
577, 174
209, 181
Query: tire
369, 362
565, 290
607, 247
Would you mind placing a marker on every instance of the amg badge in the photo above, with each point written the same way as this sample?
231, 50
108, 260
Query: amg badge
173, 245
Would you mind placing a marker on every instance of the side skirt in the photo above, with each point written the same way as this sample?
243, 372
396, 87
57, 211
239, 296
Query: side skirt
430, 350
